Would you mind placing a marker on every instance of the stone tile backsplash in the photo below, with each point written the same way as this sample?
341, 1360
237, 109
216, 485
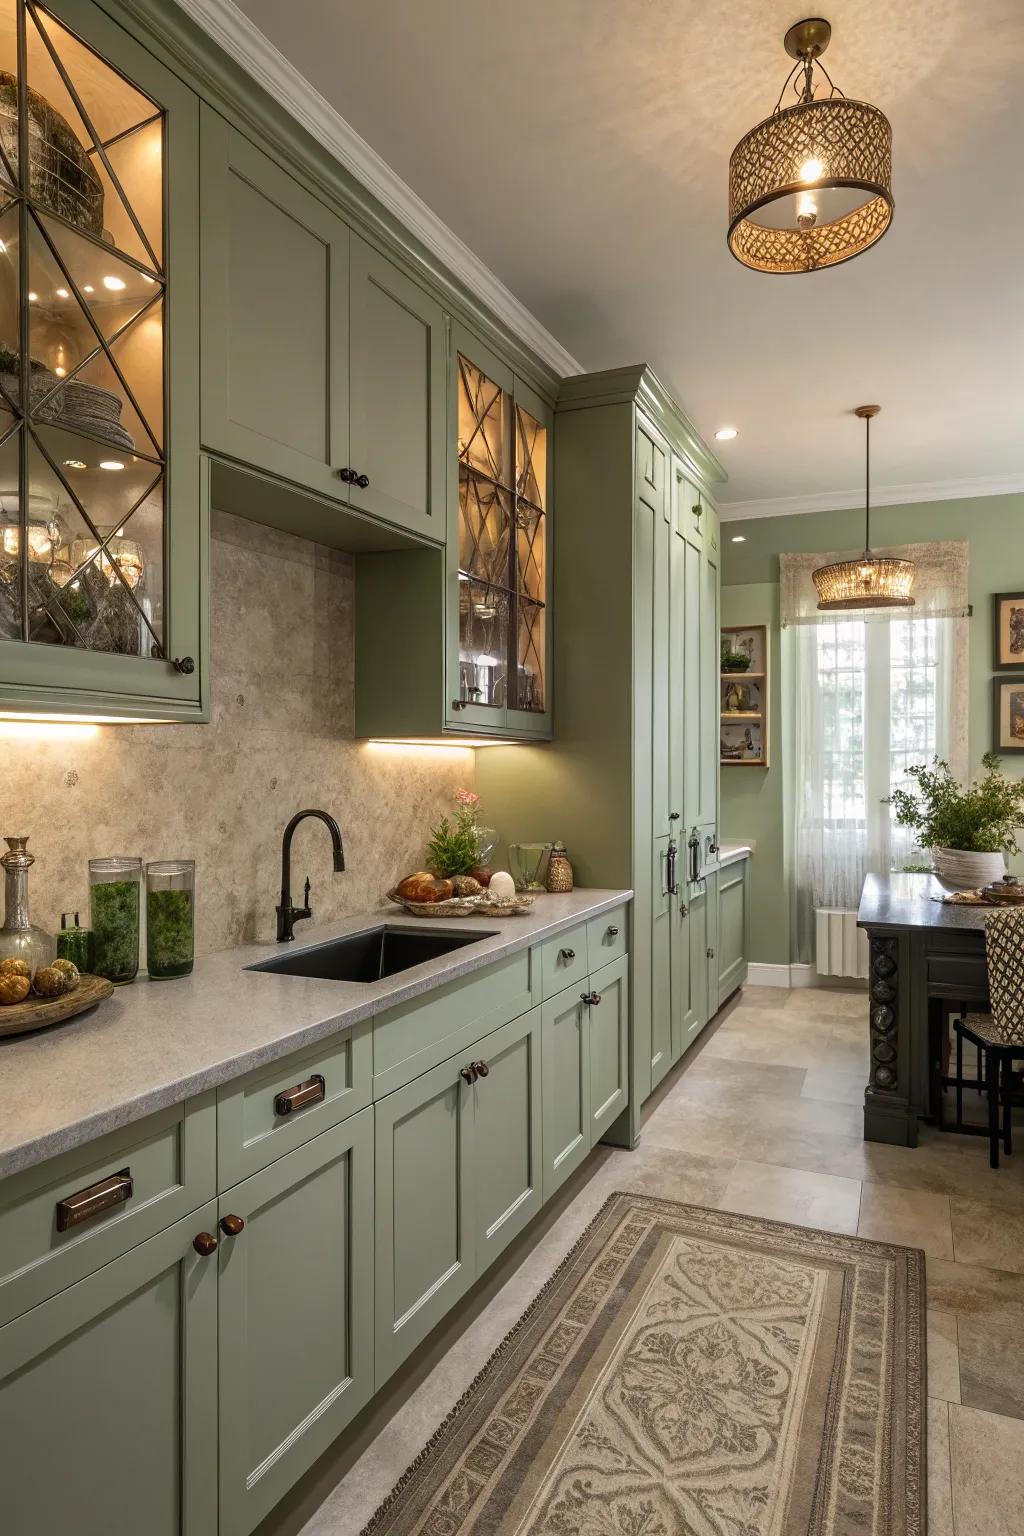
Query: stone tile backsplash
280, 739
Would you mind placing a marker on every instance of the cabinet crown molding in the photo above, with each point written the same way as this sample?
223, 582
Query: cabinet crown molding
639, 384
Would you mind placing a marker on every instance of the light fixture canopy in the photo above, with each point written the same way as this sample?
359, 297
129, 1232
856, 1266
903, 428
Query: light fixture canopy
811, 186
871, 581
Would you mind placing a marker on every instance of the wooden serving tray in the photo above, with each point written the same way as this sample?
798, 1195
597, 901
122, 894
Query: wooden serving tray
38, 1012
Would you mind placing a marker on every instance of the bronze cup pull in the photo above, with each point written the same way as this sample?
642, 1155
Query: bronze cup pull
312, 1091
204, 1244
468, 1074
86, 1203
231, 1225
613, 933
567, 954
481, 1068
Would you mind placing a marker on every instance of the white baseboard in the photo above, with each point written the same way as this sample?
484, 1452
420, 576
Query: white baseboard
761, 975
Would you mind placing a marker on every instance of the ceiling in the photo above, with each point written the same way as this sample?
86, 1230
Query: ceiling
580, 149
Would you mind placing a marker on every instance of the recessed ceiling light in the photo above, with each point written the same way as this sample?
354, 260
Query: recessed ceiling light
111, 464
62, 293
115, 284
88, 288
726, 434
739, 538
33, 297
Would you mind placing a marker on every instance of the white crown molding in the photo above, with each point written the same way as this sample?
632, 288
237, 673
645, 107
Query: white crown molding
881, 496
242, 40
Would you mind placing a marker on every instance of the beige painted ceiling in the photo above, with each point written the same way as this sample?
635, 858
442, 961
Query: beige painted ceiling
580, 148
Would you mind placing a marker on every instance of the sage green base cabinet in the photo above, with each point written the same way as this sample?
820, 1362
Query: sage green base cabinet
634, 761
733, 927
295, 1315
108, 1398
458, 1174
586, 1067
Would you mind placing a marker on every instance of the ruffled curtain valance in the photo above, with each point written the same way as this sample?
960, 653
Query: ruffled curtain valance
940, 589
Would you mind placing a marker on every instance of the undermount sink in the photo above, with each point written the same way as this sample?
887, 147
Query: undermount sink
368, 956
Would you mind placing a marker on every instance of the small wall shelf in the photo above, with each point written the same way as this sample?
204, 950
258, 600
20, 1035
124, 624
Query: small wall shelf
743, 704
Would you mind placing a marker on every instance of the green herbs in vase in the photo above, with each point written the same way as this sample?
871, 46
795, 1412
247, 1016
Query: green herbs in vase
981, 818
455, 841
115, 922
169, 931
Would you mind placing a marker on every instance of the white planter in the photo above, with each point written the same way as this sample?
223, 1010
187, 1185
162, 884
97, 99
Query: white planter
968, 871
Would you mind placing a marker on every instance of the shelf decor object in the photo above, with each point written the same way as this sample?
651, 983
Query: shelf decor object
810, 186
743, 690
82, 346
870, 581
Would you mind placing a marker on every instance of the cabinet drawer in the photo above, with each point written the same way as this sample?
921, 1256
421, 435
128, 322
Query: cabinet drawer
608, 937
418, 1035
563, 961
323, 1085
961, 976
108, 1196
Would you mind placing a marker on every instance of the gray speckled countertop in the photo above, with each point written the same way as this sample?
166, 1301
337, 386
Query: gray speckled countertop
729, 852
156, 1043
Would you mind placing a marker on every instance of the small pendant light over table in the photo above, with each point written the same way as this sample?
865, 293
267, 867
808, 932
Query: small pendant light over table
872, 581
811, 186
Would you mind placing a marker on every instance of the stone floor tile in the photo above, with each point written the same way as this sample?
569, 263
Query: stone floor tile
991, 1235
975, 1292
791, 1194
940, 1492
943, 1357
841, 1084
908, 1216
992, 1368
986, 1461
735, 1079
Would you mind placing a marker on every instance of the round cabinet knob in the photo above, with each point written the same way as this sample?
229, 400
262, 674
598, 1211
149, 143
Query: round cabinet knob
567, 954
348, 475
361, 480
590, 998
468, 1074
184, 664
481, 1068
231, 1225
204, 1244
613, 933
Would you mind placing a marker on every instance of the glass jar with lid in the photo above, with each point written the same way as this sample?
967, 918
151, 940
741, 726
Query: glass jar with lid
115, 886
170, 917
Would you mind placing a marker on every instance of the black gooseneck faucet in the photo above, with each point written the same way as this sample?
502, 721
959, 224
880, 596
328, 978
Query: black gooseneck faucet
287, 915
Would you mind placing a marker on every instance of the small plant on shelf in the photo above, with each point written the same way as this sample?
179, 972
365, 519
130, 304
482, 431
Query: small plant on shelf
733, 660
982, 818
454, 843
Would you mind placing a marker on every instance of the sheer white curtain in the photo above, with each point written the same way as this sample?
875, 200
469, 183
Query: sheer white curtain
872, 693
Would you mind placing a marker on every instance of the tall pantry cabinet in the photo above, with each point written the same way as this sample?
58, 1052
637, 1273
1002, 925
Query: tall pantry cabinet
630, 781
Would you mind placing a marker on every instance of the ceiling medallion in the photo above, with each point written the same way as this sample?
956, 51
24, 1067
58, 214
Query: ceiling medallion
811, 186
872, 581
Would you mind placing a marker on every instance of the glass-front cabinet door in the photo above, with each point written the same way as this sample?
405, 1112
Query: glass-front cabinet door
99, 605
499, 583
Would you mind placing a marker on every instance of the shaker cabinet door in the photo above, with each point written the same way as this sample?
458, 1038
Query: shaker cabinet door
275, 291
566, 1079
296, 1315
507, 1160
608, 1054
399, 383
108, 1398
423, 1220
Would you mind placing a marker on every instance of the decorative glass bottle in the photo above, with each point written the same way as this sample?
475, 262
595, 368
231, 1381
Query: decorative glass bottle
74, 942
114, 887
20, 939
170, 917
559, 876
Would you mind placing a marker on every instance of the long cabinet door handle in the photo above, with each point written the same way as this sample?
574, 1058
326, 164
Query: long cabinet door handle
312, 1091
89, 1202
671, 879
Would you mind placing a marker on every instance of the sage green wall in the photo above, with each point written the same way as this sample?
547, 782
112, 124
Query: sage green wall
752, 798
755, 802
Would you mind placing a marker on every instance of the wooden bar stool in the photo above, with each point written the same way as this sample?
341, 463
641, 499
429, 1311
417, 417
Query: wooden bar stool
998, 1036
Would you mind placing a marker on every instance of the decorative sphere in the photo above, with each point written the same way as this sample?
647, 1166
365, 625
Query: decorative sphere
502, 886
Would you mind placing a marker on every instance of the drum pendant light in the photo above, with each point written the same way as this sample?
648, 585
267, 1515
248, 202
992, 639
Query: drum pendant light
811, 186
872, 581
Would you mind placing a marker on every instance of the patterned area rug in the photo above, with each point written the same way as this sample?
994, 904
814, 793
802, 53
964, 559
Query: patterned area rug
692, 1373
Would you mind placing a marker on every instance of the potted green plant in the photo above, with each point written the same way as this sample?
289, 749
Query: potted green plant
968, 829
734, 661
459, 843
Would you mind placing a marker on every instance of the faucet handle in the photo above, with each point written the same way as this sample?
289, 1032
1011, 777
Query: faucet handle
305, 894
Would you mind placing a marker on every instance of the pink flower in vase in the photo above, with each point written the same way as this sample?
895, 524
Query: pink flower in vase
466, 797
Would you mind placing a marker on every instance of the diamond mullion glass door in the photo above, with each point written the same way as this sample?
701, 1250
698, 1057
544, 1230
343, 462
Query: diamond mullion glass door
88, 218
529, 711
481, 538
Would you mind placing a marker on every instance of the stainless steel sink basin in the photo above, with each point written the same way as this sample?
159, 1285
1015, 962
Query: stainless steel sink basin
368, 956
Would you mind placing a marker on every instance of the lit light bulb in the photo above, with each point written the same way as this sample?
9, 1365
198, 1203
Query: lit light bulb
33, 297
88, 288
812, 169
115, 284
59, 371
111, 464
62, 293
806, 211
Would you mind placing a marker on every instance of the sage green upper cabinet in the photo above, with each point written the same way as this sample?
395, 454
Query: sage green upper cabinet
108, 1398
398, 386
275, 343
102, 600
296, 1315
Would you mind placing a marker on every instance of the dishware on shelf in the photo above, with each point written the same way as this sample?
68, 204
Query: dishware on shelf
114, 896
528, 864
20, 938
170, 917
40, 1012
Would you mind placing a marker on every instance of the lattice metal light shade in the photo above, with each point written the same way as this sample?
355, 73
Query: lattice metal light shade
811, 186
871, 581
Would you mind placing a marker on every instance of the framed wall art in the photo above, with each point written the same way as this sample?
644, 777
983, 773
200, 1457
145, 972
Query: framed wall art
1008, 639
1008, 714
